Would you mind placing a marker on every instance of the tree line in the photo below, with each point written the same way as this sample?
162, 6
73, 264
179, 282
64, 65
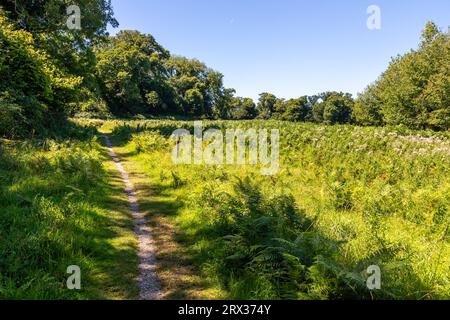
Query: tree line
138, 76
49, 72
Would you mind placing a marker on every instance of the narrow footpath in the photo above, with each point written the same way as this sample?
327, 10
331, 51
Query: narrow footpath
149, 283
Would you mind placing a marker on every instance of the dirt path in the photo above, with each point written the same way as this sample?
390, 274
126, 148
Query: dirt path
149, 283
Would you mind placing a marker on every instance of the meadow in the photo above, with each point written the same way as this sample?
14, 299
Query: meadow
345, 198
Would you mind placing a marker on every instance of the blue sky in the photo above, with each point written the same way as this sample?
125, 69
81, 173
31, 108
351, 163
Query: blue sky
287, 47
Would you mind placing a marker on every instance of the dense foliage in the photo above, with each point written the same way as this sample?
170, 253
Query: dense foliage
31, 86
45, 67
130, 68
415, 90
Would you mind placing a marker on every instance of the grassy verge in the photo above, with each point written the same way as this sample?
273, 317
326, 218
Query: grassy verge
62, 203
177, 268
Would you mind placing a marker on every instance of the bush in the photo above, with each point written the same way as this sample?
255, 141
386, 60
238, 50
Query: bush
149, 142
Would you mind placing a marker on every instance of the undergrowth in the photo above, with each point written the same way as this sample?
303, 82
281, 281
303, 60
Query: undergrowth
55, 211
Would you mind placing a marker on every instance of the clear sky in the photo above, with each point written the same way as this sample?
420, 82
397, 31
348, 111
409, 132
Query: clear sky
287, 47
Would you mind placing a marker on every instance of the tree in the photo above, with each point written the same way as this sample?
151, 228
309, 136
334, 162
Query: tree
332, 107
317, 111
366, 110
337, 108
132, 74
70, 50
266, 105
242, 109
137, 75
195, 101
30, 82
223, 104
49, 16
198, 89
415, 89
292, 109
46, 20
153, 100
219, 97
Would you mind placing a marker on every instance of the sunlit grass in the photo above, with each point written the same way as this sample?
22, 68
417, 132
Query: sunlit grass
376, 196
62, 203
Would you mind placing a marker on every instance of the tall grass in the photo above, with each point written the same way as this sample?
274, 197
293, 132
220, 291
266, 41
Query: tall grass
345, 198
53, 214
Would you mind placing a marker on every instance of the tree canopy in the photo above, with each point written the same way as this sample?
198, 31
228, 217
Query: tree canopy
415, 89
31, 86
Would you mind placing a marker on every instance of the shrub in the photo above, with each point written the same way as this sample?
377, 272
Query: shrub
149, 142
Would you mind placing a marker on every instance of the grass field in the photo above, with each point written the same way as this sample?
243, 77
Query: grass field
345, 198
